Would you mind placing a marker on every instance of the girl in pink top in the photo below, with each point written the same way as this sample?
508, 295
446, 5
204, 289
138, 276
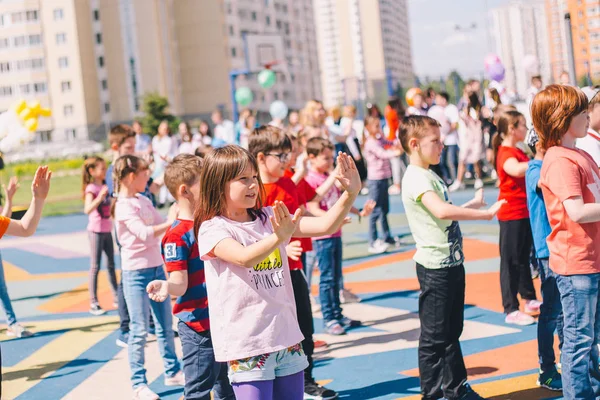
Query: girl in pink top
139, 227
252, 309
570, 183
97, 207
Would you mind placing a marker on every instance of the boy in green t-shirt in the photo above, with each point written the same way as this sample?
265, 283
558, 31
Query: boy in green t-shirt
433, 222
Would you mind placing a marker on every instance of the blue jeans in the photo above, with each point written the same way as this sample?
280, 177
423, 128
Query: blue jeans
378, 191
581, 310
138, 304
449, 162
329, 257
551, 317
5, 299
202, 372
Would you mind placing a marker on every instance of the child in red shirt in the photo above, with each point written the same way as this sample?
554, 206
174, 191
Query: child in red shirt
515, 230
570, 183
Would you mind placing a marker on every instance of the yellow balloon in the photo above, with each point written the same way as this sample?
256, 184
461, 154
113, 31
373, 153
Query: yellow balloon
31, 124
26, 113
35, 108
45, 112
20, 106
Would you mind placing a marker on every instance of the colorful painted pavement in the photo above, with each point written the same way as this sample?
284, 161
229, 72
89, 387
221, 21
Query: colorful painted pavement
73, 354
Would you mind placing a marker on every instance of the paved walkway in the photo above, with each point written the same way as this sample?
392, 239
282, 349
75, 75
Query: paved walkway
73, 354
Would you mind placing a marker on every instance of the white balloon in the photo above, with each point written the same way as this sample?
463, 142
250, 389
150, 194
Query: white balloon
278, 110
13, 133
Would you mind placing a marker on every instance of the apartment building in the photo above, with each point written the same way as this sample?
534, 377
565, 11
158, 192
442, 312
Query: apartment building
363, 45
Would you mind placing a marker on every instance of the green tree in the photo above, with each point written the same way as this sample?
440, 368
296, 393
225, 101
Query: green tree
583, 81
454, 86
155, 109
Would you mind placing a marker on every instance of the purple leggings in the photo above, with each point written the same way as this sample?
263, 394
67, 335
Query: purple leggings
289, 387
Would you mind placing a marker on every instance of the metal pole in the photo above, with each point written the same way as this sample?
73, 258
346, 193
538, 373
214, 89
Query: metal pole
570, 54
234, 107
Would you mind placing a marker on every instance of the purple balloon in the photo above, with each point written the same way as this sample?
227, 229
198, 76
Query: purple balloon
496, 72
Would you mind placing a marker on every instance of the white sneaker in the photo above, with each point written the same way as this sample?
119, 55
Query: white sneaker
519, 318
364, 191
478, 184
144, 393
347, 296
378, 247
176, 380
17, 330
457, 185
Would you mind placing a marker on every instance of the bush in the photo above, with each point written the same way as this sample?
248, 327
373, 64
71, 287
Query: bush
28, 168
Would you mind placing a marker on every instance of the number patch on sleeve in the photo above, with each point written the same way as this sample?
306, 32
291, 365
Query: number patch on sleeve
170, 251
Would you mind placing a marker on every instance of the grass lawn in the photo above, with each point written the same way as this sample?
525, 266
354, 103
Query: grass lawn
64, 197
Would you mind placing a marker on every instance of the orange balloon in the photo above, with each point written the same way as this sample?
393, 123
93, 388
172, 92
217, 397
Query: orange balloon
410, 95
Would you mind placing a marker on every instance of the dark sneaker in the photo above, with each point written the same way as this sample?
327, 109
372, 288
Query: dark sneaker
349, 323
123, 339
334, 328
95, 309
470, 394
550, 380
312, 391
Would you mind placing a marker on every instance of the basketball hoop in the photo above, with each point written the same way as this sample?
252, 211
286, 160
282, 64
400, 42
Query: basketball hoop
271, 64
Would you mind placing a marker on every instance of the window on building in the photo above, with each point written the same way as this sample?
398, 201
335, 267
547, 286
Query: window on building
1, 19
268, 20
58, 14
106, 108
98, 38
40, 87
253, 15
5, 91
104, 84
44, 137
16, 17
70, 134
35, 40
61, 38
68, 110
101, 61
37, 63
96, 15
63, 62
25, 88
233, 52
580, 14
231, 31
32, 15
4, 43
19, 41
65, 86
4, 67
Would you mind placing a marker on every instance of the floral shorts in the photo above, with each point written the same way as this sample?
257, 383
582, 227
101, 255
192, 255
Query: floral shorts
267, 367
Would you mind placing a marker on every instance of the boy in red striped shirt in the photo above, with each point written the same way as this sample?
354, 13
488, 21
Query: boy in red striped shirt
187, 282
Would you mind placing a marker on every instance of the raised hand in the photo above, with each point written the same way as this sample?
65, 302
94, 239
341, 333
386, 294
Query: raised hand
284, 224
368, 208
479, 200
158, 290
41, 183
347, 174
493, 210
294, 250
11, 189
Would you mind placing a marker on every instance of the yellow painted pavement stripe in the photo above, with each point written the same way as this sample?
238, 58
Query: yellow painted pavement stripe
65, 348
16, 274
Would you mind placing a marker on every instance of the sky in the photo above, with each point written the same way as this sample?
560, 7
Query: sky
438, 47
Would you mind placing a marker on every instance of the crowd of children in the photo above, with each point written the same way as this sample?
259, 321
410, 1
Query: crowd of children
249, 225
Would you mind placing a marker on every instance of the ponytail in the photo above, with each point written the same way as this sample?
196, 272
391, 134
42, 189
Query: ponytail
505, 121
124, 166
88, 164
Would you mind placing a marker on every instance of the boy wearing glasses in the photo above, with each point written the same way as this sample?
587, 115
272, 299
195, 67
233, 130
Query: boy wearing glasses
272, 149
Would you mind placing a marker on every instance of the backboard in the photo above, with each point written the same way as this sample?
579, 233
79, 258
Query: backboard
262, 49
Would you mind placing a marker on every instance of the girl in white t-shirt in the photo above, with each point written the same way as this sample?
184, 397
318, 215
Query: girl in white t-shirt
252, 309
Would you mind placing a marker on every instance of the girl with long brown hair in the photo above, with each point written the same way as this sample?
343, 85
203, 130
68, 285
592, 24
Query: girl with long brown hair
243, 244
100, 225
515, 230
